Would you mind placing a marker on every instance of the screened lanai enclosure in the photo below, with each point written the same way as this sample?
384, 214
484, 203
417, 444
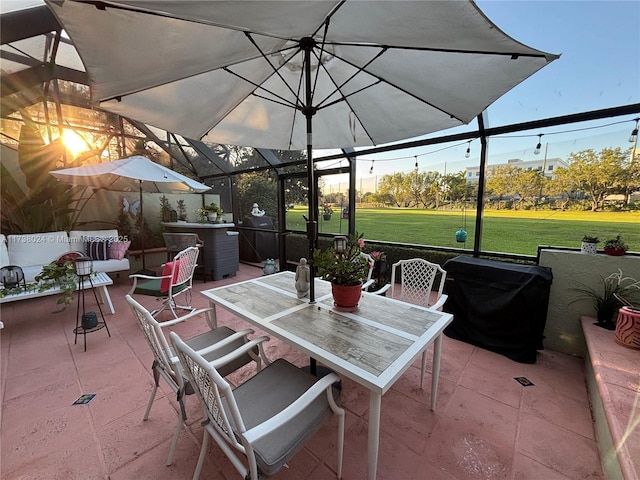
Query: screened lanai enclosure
453, 183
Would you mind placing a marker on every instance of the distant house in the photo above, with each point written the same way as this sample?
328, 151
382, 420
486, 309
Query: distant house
549, 165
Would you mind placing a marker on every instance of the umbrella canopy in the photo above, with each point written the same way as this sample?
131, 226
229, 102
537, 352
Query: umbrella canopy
131, 174
232, 72
295, 74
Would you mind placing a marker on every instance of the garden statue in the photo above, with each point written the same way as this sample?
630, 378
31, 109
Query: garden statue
256, 212
303, 278
269, 267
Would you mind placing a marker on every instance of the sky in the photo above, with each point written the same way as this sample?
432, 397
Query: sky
599, 67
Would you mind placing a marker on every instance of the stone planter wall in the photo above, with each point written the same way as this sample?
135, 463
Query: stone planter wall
563, 332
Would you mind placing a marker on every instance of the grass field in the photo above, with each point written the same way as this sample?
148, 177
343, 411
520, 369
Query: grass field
506, 231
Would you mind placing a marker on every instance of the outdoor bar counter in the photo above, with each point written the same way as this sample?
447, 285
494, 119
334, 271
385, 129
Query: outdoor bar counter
220, 251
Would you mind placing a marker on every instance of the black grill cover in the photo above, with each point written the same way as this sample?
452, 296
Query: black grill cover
257, 246
497, 305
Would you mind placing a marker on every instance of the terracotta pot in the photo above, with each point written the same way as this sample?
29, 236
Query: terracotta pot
628, 328
615, 252
346, 298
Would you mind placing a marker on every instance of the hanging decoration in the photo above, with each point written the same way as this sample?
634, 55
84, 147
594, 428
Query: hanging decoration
461, 235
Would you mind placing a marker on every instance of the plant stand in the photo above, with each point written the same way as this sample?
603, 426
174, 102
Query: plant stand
80, 327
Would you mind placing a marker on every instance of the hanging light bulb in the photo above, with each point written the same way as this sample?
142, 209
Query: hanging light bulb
467, 154
539, 145
416, 165
371, 169
634, 133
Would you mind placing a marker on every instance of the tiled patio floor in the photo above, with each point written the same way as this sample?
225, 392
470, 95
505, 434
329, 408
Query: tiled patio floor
486, 425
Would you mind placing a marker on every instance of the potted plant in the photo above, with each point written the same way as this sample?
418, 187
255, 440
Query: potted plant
615, 246
345, 268
327, 211
589, 245
605, 301
210, 212
59, 274
182, 211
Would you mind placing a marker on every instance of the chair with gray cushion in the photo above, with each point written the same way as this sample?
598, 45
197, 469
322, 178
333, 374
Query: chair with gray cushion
212, 344
261, 424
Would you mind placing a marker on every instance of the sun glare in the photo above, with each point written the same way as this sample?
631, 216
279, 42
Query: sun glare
74, 143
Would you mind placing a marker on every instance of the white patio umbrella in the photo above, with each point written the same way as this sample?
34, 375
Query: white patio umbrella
296, 74
131, 174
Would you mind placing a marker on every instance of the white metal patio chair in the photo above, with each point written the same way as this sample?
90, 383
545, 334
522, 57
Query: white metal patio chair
370, 281
212, 344
264, 422
417, 279
176, 279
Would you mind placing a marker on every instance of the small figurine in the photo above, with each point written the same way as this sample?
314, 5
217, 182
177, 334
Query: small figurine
303, 278
269, 267
256, 212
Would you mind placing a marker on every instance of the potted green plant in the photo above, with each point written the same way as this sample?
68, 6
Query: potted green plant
589, 244
60, 274
327, 211
615, 246
210, 212
182, 211
605, 301
345, 268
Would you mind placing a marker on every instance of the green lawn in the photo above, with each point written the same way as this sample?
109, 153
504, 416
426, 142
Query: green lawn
506, 231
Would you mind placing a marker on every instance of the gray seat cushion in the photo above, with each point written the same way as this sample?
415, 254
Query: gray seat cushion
268, 393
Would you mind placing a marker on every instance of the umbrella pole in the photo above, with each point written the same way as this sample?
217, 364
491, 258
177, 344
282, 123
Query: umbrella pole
312, 224
144, 270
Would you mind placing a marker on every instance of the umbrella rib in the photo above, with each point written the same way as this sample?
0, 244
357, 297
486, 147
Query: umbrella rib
284, 101
515, 55
339, 87
391, 84
275, 70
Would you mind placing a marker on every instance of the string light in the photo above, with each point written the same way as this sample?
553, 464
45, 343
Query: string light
634, 133
371, 169
467, 154
416, 157
539, 145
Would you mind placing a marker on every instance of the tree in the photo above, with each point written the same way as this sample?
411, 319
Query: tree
503, 181
597, 174
455, 187
429, 182
393, 188
561, 186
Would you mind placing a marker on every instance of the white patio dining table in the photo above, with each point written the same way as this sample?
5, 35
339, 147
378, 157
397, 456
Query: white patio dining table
372, 346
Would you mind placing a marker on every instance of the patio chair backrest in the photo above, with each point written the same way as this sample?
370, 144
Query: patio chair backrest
417, 277
211, 388
186, 262
176, 242
156, 340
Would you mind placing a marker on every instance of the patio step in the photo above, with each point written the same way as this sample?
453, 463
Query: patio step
613, 380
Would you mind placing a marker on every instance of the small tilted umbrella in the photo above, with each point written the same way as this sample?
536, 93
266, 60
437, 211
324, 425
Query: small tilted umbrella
131, 174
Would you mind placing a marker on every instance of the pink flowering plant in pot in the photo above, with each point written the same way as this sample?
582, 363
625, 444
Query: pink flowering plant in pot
346, 268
